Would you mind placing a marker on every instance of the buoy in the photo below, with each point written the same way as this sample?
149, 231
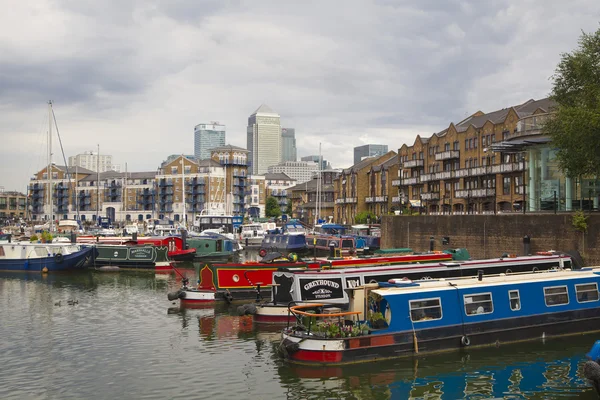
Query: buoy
465, 341
45, 269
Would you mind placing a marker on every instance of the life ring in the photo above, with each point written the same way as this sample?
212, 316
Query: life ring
465, 341
58, 258
262, 252
535, 269
508, 271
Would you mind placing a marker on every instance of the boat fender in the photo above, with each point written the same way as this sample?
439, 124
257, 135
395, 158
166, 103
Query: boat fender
535, 269
508, 271
594, 353
288, 347
292, 257
182, 294
591, 370
173, 295
58, 258
262, 252
465, 341
228, 297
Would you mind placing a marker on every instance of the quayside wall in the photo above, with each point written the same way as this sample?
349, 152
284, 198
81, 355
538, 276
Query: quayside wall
487, 236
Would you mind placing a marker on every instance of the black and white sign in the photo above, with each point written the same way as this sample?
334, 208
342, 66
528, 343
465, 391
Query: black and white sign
321, 289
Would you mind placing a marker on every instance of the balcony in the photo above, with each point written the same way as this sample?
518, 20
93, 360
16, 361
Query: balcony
474, 193
396, 182
408, 181
351, 200
166, 192
413, 164
430, 196
381, 199
426, 177
510, 167
396, 199
478, 171
532, 125
369, 199
444, 175
460, 173
164, 183
447, 155
340, 200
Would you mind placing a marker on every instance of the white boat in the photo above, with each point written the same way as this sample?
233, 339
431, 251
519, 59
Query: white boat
252, 234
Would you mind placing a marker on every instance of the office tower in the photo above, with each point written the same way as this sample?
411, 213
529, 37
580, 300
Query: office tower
288, 144
206, 138
324, 163
264, 139
369, 150
89, 160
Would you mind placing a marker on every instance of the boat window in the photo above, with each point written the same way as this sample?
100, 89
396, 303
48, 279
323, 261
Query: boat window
586, 292
480, 303
267, 239
515, 300
217, 221
347, 244
425, 310
556, 295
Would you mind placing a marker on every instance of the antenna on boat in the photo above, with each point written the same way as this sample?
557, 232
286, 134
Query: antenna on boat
50, 188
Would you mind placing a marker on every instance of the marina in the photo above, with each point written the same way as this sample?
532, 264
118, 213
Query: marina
199, 348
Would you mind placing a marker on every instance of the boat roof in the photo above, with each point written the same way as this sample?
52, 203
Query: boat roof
486, 281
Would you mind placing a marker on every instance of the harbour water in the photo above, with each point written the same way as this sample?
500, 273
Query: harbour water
120, 338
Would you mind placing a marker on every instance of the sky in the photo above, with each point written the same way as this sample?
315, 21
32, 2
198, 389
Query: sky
135, 76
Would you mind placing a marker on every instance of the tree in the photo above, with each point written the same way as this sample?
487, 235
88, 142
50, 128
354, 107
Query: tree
288, 209
272, 208
575, 127
365, 217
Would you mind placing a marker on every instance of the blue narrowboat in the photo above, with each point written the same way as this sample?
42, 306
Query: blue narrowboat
283, 243
403, 317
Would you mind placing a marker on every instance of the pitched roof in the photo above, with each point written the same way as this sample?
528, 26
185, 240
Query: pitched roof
278, 176
229, 147
115, 175
80, 170
264, 109
209, 162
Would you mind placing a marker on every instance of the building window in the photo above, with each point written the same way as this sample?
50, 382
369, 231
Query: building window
447, 147
466, 144
475, 142
425, 310
556, 295
456, 145
515, 300
480, 303
586, 292
506, 185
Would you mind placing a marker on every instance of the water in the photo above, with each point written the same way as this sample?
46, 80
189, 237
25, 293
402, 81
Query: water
124, 339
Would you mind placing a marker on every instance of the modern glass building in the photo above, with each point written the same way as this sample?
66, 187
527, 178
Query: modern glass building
206, 138
263, 139
369, 150
324, 163
288, 144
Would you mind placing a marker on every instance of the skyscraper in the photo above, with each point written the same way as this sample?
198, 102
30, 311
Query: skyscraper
207, 137
324, 163
369, 150
288, 144
264, 139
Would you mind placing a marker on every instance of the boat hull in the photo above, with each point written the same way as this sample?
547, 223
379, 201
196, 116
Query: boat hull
378, 346
68, 262
147, 256
269, 314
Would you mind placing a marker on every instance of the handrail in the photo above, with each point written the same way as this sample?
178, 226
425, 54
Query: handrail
295, 310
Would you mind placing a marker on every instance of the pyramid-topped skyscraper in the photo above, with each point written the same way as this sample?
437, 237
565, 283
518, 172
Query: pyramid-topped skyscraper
264, 139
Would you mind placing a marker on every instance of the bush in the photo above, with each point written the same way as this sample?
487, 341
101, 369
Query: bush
580, 221
34, 238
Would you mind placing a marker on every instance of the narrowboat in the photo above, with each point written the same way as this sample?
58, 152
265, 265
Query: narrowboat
283, 243
131, 256
406, 318
177, 245
333, 285
211, 247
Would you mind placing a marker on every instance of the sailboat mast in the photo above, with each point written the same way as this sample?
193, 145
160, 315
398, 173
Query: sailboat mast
183, 192
50, 194
98, 186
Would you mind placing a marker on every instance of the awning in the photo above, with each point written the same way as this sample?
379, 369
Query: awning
415, 203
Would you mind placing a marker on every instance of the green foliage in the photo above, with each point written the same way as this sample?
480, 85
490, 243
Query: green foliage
272, 208
288, 209
365, 217
576, 124
580, 221
33, 238
334, 330
375, 316
46, 237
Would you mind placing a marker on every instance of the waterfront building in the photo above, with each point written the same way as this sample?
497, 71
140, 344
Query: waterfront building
12, 205
255, 196
276, 185
206, 138
490, 162
358, 188
174, 157
94, 162
300, 171
234, 161
324, 163
369, 150
288, 144
263, 139
304, 198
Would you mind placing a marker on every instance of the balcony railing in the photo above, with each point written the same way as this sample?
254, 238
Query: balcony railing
340, 200
474, 193
408, 181
430, 196
412, 163
396, 182
444, 175
447, 155
396, 199
381, 199
459, 173
351, 200
369, 199
426, 177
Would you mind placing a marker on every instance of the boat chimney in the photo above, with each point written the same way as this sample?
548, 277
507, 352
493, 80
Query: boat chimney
479, 274
431, 243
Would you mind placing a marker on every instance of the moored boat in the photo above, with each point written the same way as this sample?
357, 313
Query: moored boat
42, 257
131, 256
177, 246
252, 234
405, 318
333, 285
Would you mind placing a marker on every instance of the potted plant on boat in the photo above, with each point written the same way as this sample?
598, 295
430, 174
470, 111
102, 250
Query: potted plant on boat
377, 320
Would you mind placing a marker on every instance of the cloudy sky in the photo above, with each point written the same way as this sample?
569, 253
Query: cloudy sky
135, 76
